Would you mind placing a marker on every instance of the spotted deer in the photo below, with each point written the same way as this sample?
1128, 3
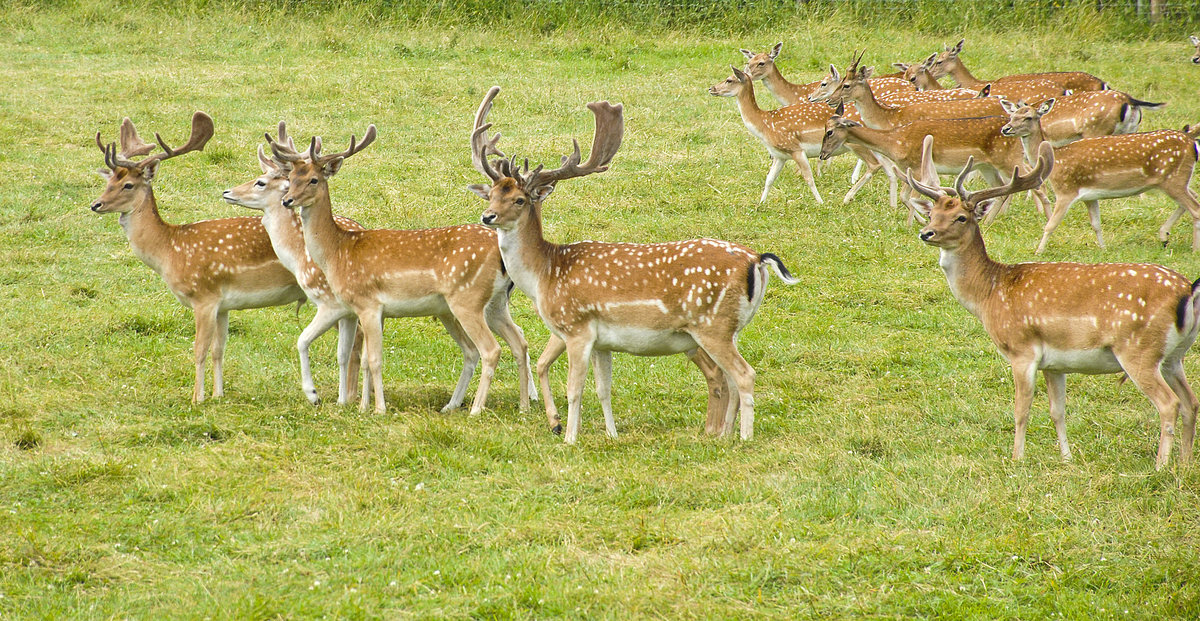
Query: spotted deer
948, 63
690, 297
956, 141
1035, 90
453, 273
1196, 43
789, 133
893, 97
212, 266
1061, 318
855, 88
265, 193
1105, 167
761, 66
1092, 113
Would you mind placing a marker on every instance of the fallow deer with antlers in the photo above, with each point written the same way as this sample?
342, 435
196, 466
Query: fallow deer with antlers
690, 297
1061, 318
453, 273
283, 226
213, 266
948, 63
1110, 167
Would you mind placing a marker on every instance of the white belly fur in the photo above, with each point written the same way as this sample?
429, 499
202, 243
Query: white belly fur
1089, 361
236, 300
642, 341
416, 307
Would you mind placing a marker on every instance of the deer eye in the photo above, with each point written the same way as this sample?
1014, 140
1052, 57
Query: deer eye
260, 183
520, 200
761, 63
128, 186
313, 181
961, 219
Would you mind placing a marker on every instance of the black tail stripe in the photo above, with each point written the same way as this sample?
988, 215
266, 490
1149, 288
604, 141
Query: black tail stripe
750, 281
1182, 307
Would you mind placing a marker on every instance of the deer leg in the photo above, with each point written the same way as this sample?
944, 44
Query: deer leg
205, 317
1024, 382
554, 348
806, 171
220, 337
371, 323
1182, 194
1061, 204
857, 173
1188, 404
470, 360
579, 350
718, 391
1093, 208
860, 182
325, 319
723, 350
475, 325
776, 168
1056, 388
602, 371
1164, 232
349, 352
1152, 384
501, 323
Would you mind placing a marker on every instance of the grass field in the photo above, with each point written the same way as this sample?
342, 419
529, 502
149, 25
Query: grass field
878, 484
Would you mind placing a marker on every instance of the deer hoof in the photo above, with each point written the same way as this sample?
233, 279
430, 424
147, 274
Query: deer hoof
557, 429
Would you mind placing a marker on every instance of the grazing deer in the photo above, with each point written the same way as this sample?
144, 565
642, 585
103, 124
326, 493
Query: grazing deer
452, 273
761, 66
283, 226
1064, 318
789, 133
1196, 42
691, 297
212, 267
1110, 167
948, 63
1027, 90
956, 141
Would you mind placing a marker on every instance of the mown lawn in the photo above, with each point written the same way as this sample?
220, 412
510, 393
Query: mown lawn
878, 483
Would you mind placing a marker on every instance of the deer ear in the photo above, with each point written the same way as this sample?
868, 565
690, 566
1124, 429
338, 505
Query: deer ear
841, 109
922, 206
982, 207
867, 72
901, 66
737, 73
480, 190
149, 171
1194, 40
837, 77
1008, 106
1045, 107
107, 174
747, 53
779, 46
986, 91
267, 164
541, 192
332, 167
929, 61
957, 48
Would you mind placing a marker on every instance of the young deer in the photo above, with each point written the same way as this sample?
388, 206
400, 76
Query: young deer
452, 273
789, 133
690, 297
1027, 90
265, 194
212, 267
761, 66
947, 63
956, 141
1064, 318
1110, 167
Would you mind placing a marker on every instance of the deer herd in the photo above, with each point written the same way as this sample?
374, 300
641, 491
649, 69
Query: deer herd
1068, 132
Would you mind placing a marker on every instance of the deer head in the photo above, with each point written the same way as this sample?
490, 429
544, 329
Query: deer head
310, 171
129, 181
759, 65
945, 60
731, 86
268, 189
515, 190
1023, 119
836, 130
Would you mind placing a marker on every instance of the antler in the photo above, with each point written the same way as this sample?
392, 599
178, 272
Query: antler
1018, 184
202, 132
481, 146
284, 149
928, 185
854, 62
314, 148
610, 128
131, 146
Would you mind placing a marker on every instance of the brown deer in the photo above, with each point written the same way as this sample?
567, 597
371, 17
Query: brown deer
212, 267
265, 194
691, 297
1104, 167
789, 133
948, 63
1026, 90
1061, 318
452, 273
956, 141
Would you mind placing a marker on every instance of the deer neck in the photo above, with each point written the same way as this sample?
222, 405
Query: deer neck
778, 86
880, 141
322, 235
149, 235
972, 275
527, 256
959, 73
1031, 143
285, 229
748, 107
929, 83
871, 111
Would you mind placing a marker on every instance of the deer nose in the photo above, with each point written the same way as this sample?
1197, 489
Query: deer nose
926, 235
488, 218
96, 206
287, 202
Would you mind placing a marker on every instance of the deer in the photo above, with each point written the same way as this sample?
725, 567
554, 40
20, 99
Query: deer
1027, 90
761, 66
855, 88
453, 273
1060, 318
1091, 114
956, 141
893, 97
1110, 167
212, 266
791, 132
948, 63
1195, 42
691, 297
265, 194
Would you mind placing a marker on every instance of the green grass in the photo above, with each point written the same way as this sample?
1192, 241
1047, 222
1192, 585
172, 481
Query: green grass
878, 483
